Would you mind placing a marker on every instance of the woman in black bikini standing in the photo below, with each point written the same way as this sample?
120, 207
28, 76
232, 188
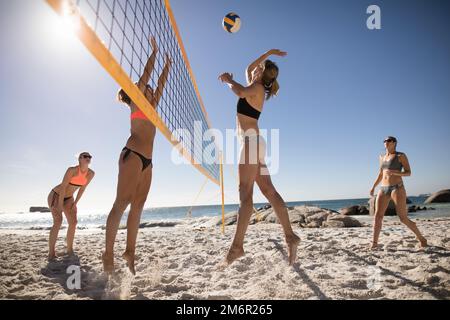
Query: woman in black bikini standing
61, 200
261, 85
135, 166
390, 176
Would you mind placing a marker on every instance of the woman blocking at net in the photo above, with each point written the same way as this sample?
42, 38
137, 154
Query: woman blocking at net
135, 166
61, 200
262, 84
393, 166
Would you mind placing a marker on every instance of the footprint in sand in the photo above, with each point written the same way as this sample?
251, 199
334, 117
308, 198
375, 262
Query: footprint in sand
433, 280
312, 266
168, 279
324, 276
171, 288
241, 267
356, 284
439, 269
407, 267
329, 251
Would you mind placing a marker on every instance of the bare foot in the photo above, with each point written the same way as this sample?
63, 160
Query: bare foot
423, 243
108, 263
374, 247
129, 258
51, 257
292, 244
233, 254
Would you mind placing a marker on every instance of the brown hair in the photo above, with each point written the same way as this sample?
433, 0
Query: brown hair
269, 79
123, 97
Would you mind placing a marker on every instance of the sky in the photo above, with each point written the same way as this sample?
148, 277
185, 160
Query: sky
343, 89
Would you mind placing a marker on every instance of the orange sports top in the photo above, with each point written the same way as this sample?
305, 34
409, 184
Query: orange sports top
139, 115
80, 179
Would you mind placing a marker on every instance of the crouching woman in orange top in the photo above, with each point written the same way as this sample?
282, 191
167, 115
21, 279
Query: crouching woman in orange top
61, 200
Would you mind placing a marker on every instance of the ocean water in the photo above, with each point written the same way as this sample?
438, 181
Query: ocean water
95, 220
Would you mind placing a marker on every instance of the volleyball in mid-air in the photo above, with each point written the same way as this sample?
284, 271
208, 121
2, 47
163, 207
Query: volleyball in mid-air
231, 22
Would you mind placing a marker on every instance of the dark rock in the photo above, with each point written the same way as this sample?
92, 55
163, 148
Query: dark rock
442, 196
350, 211
333, 224
39, 209
313, 224
164, 224
390, 211
349, 222
230, 219
318, 217
353, 211
363, 210
267, 206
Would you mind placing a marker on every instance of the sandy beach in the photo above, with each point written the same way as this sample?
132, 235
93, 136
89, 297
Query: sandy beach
181, 262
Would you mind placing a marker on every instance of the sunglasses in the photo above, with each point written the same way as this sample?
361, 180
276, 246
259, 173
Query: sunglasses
86, 156
388, 140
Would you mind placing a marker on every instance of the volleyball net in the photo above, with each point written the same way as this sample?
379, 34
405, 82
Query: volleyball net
118, 33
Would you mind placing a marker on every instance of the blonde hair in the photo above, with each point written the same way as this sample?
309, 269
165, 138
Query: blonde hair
269, 79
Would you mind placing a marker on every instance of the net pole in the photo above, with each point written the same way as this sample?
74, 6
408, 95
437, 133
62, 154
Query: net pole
222, 192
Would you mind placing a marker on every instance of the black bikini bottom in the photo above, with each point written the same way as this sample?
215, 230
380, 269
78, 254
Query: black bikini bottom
55, 198
145, 162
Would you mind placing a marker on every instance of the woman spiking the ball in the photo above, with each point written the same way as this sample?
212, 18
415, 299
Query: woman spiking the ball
262, 85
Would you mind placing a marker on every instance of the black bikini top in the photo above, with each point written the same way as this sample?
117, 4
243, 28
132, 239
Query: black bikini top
243, 107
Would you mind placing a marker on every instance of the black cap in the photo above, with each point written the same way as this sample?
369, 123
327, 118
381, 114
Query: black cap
390, 138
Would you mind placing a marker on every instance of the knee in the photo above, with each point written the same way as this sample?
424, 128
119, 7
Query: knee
73, 222
269, 192
246, 203
140, 202
405, 220
378, 217
122, 203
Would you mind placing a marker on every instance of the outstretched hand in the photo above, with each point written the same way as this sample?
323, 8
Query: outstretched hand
226, 77
278, 52
153, 43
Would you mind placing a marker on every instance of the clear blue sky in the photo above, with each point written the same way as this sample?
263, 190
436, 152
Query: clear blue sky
343, 88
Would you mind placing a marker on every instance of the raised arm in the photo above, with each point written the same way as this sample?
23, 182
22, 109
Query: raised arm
150, 65
260, 60
162, 80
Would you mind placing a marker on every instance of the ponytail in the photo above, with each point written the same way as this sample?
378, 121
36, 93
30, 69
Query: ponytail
269, 79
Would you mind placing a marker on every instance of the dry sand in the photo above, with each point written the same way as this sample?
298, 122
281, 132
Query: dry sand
181, 263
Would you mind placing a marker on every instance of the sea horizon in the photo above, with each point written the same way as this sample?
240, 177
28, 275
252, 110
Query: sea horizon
43, 220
